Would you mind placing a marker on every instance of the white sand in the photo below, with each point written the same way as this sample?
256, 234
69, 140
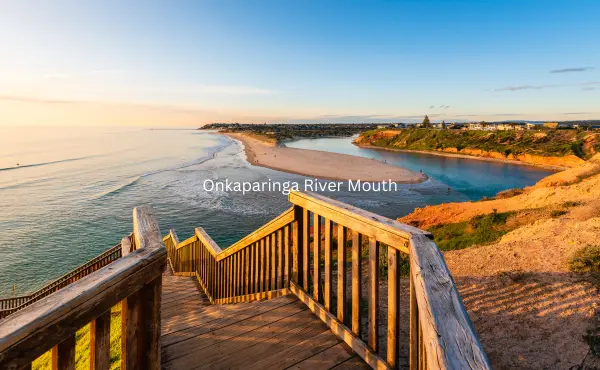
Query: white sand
323, 165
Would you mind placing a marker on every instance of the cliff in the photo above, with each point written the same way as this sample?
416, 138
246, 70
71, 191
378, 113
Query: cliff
553, 148
512, 259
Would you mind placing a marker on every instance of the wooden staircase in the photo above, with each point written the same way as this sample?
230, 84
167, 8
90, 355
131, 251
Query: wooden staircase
279, 333
323, 285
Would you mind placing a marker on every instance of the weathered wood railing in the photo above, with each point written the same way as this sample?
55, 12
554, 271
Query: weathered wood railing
13, 304
294, 252
134, 281
256, 267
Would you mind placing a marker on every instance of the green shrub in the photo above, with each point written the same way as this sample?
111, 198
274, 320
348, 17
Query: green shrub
558, 212
480, 230
586, 259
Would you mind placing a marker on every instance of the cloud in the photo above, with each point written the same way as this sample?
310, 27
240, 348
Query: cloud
576, 69
431, 106
540, 87
506, 114
587, 88
229, 90
569, 113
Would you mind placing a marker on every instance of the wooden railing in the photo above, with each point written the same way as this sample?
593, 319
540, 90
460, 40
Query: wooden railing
133, 281
295, 253
256, 267
13, 304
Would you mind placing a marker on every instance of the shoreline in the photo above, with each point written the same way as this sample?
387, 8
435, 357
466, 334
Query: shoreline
323, 165
466, 156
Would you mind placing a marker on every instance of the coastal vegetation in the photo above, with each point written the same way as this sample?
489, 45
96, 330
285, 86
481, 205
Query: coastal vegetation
504, 144
280, 131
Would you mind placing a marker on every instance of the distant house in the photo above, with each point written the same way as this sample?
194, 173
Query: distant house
530, 126
505, 127
475, 126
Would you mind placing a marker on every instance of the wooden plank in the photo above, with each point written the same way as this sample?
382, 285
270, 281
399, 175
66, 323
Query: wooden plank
226, 341
262, 264
279, 259
149, 325
356, 257
381, 228
63, 354
327, 359
393, 307
373, 293
296, 245
273, 261
327, 268
268, 263
341, 272
287, 256
100, 342
27, 334
247, 270
305, 247
339, 329
256, 268
317, 233
355, 363
448, 333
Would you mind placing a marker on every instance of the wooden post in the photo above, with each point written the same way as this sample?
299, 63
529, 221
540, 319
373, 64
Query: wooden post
63, 354
414, 328
280, 259
327, 285
317, 231
100, 342
286, 252
125, 246
305, 247
373, 292
341, 273
273, 261
297, 243
356, 246
140, 316
262, 265
393, 306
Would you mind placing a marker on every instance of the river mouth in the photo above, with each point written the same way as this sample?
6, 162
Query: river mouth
59, 215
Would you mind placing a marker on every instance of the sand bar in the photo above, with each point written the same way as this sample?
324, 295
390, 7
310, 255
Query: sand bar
323, 165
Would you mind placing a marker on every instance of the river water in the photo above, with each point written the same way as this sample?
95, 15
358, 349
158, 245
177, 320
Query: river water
72, 193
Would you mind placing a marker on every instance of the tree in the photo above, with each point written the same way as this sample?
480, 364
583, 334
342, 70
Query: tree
443, 125
426, 122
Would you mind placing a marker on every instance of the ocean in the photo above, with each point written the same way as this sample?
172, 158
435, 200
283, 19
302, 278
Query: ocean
67, 194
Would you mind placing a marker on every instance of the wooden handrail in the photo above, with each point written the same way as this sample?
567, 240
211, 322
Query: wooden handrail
13, 304
51, 323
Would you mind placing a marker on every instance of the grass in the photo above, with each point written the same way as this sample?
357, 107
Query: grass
480, 230
82, 350
586, 259
558, 212
550, 143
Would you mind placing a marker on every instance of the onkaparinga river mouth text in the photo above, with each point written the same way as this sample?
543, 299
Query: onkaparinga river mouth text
285, 187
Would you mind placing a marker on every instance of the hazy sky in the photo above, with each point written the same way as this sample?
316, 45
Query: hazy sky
192, 62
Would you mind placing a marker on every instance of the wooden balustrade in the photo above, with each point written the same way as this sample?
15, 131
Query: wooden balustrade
256, 267
13, 304
337, 259
134, 280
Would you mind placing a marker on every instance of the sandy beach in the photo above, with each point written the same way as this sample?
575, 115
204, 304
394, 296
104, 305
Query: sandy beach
323, 165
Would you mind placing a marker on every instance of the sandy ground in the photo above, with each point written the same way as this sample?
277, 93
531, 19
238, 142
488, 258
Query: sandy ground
528, 309
323, 165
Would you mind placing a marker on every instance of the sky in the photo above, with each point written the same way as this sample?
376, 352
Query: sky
187, 63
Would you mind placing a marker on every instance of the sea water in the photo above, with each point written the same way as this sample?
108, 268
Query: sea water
67, 194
